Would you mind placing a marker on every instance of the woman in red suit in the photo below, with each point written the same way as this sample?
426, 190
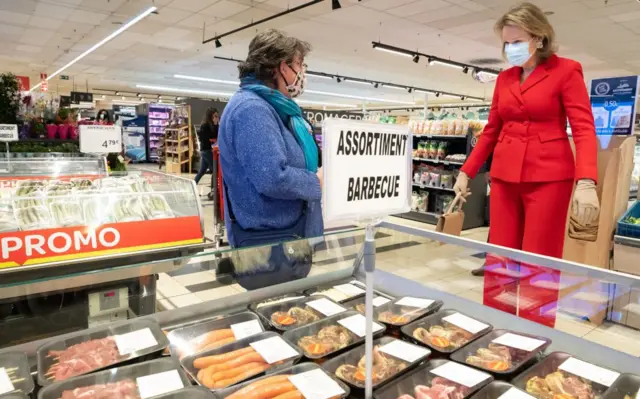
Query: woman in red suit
534, 172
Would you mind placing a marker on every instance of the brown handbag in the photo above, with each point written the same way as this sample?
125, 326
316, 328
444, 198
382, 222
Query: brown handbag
451, 221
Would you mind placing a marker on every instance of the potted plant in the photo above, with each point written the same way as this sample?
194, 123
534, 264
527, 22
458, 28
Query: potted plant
9, 98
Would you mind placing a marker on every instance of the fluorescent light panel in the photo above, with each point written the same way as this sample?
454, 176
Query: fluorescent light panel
101, 43
357, 81
210, 80
445, 64
186, 91
395, 87
386, 50
313, 75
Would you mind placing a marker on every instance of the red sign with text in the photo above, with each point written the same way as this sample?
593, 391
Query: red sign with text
44, 85
25, 83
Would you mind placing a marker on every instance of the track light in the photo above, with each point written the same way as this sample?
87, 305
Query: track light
376, 85
338, 79
124, 98
463, 98
465, 69
335, 4
437, 94
416, 58
218, 44
117, 93
387, 49
139, 95
409, 89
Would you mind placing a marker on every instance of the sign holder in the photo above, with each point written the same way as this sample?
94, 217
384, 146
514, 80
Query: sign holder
9, 133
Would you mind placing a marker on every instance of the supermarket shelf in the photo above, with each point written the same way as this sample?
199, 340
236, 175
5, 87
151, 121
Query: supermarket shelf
177, 163
438, 161
177, 141
433, 187
177, 152
418, 216
439, 136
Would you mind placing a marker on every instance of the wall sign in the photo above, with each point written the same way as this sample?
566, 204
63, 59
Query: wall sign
25, 83
79, 97
8, 132
100, 139
613, 103
367, 169
44, 84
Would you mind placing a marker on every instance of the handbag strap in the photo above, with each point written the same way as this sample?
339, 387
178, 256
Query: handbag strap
456, 201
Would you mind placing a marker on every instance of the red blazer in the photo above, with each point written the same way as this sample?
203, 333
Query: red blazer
527, 126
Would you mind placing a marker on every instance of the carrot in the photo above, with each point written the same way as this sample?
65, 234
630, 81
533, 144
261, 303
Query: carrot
206, 361
206, 379
214, 345
214, 336
271, 390
237, 362
240, 377
230, 373
251, 387
290, 395
199, 376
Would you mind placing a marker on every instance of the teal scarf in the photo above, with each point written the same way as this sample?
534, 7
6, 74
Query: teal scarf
291, 114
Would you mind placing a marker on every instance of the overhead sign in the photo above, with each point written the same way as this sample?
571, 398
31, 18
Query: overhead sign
367, 169
79, 97
44, 85
64, 77
24, 82
8, 132
613, 102
100, 139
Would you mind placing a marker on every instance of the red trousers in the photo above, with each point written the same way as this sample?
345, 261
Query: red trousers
530, 217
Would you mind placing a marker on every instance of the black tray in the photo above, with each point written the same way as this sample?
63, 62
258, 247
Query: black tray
267, 311
410, 313
436, 319
188, 393
354, 355
420, 376
16, 366
313, 328
526, 358
626, 384
547, 366
495, 390
352, 303
268, 302
297, 369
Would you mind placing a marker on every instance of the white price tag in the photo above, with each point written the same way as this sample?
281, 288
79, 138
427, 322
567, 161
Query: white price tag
100, 139
246, 329
380, 300
316, 384
404, 351
465, 322
412, 302
515, 393
519, 342
326, 307
5, 382
589, 371
135, 341
274, 349
8, 133
357, 325
158, 384
349, 289
463, 375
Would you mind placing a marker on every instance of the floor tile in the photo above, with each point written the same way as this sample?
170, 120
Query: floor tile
217, 293
184, 300
618, 337
195, 278
168, 287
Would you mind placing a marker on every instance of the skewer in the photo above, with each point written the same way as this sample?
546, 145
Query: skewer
17, 380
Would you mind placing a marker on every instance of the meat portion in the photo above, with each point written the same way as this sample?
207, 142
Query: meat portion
125, 389
384, 367
559, 385
83, 357
328, 340
440, 388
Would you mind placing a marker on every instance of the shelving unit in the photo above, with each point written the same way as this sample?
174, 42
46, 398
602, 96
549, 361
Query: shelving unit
180, 139
158, 119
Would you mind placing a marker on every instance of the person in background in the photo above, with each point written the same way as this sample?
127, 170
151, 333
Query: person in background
208, 137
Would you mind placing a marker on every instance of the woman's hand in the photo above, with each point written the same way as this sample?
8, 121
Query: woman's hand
320, 177
462, 185
585, 204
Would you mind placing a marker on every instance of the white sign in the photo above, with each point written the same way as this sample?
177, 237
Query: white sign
515, 393
135, 341
316, 384
100, 139
5, 382
357, 324
589, 371
380, 300
463, 375
412, 302
8, 132
349, 289
519, 342
274, 349
404, 351
465, 322
246, 329
326, 307
158, 384
367, 169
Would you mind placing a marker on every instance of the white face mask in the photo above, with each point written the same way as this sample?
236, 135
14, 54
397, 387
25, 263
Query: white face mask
296, 89
517, 53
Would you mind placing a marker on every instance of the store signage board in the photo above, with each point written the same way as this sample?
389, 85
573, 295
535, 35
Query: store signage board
8, 132
613, 103
78, 97
367, 170
316, 384
100, 139
158, 384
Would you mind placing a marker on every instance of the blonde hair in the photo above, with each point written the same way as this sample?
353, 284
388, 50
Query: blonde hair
533, 20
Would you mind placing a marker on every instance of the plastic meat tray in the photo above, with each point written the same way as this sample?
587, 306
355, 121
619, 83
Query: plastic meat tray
409, 313
336, 295
267, 311
626, 384
16, 365
495, 390
188, 393
629, 229
254, 307
353, 303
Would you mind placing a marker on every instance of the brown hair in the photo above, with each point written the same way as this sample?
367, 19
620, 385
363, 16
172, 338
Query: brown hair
267, 50
532, 19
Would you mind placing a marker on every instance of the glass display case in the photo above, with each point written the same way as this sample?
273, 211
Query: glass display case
539, 325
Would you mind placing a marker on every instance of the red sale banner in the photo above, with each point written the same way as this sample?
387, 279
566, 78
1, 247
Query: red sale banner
44, 85
25, 83
68, 243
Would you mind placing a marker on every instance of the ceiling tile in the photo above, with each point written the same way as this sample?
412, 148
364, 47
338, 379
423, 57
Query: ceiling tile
53, 11
45, 23
101, 5
192, 5
19, 6
87, 17
443, 13
418, 7
625, 17
382, 5
168, 15
171, 33
28, 49
13, 18
224, 9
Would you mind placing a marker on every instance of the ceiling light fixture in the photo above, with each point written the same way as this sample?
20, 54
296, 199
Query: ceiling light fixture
327, 104
202, 79
102, 42
416, 58
371, 99
117, 93
465, 69
218, 44
335, 4
338, 79
388, 49
360, 82
184, 90
317, 75
445, 63
395, 87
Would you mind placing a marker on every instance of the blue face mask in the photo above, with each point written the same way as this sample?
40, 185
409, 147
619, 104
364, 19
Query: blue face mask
517, 53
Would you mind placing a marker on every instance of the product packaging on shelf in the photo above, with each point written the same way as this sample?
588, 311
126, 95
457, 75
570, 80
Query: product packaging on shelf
340, 292
358, 304
98, 348
294, 313
404, 310
446, 331
142, 380
430, 379
627, 386
331, 335
559, 368
309, 375
213, 334
392, 357
502, 352
501, 390
15, 374
232, 364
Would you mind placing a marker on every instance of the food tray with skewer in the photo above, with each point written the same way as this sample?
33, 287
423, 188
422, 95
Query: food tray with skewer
15, 374
295, 313
98, 348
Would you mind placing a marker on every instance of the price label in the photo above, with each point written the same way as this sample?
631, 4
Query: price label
5, 382
404, 351
380, 300
316, 384
274, 349
326, 307
349, 289
246, 329
357, 324
158, 384
100, 139
465, 322
135, 341
8, 132
589, 371
412, 302
519, 342
463, 375
515, 393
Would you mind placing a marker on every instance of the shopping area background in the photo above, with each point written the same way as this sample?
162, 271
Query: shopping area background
164, 160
